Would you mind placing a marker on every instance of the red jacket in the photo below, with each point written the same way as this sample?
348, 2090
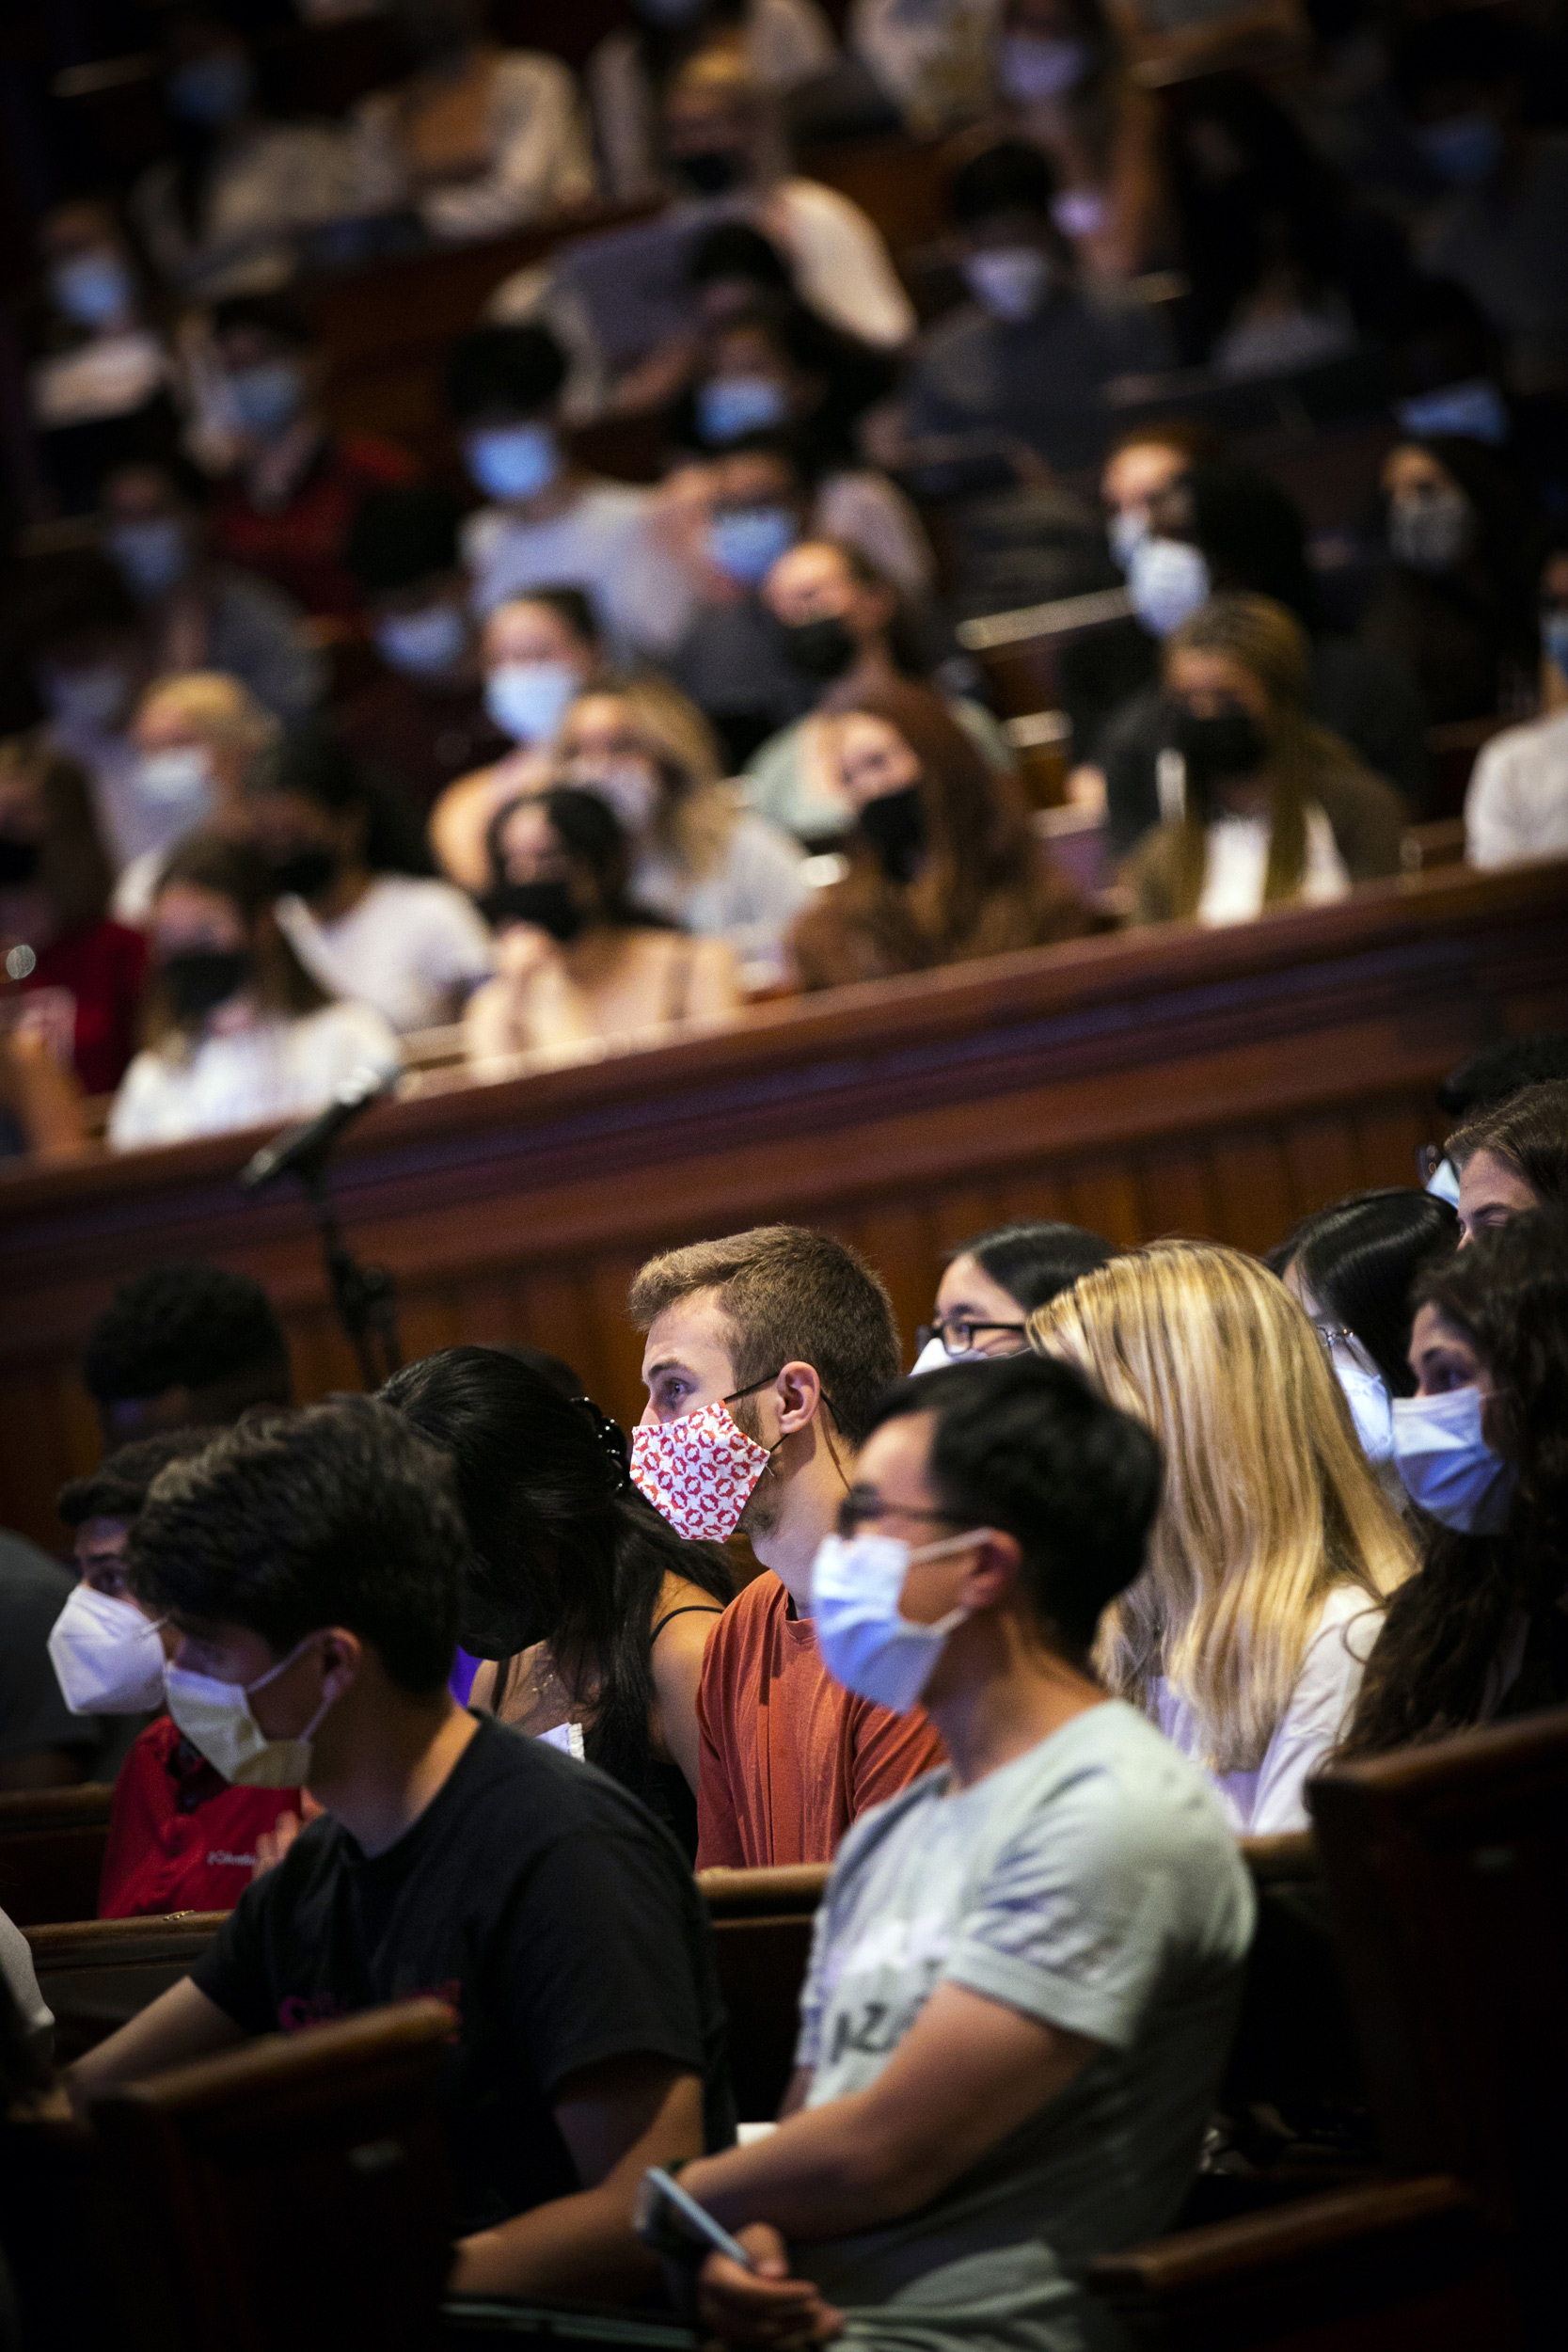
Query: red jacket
181, 1837
102, 964
300, 546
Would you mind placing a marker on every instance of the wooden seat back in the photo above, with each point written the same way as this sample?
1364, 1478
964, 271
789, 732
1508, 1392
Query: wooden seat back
1295, 2050
96, 1973
52, 1844
292, 2192
762, 1922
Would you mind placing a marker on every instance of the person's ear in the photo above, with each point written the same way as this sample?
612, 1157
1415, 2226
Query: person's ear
993, 1573
798, 1390
343, 1654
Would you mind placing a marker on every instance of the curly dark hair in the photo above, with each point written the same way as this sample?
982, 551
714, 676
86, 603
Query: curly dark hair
188, 1326
1509, 1291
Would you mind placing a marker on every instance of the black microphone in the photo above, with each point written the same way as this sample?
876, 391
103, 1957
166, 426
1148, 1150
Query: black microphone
300, 1151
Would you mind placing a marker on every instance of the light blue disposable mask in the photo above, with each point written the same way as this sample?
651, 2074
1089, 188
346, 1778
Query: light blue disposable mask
179, 779
422, 645
1443, 1184
1168, 582
513, 461
1463, 150
1032, 68
527, 700
1447, 1465
1475, 411
729, 405
88, 701
1554, 638
213, 89
153, 555
866, 1642
747, 541
267, 399
91, 289
1126, 532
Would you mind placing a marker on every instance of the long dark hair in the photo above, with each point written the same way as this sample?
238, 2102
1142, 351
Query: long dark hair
1034, 1263
232, 870
1509, 1291
567, 1549
1359, 1260
311, 765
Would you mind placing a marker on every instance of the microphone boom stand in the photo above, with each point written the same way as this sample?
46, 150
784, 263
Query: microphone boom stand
363, 1296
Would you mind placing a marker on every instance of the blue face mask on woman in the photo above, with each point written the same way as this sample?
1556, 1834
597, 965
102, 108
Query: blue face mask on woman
747, 541
1168, 582
513, 461
729, 405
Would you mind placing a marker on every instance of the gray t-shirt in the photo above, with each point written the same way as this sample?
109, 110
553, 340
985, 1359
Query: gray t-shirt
1091, 1883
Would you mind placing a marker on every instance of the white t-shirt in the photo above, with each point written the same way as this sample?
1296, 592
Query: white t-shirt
1269, 1801
604, 544
750, 898
272, 1069
1236, 863
408, 949
1516, 808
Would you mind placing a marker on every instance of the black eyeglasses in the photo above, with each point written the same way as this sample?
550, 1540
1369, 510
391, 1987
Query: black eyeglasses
956, 1333
859, 1506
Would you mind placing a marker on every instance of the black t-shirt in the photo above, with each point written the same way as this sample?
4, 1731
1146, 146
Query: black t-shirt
544, 1904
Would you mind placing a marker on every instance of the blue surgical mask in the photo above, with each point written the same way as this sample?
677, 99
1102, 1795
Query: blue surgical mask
1032, 68
422, 645
1447, 1465
153, 555
179, 779
91, 289
1168, 582
1010, 283
1463, 150
1126, 532
527, 700
729, 405
267, 399
1554, 638
747, 541
212, 89
87, 702
1366, 1394
1475, 411
513, 461
866, 1642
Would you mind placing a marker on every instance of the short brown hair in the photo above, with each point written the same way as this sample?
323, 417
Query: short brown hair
1528, 1130
788, 1295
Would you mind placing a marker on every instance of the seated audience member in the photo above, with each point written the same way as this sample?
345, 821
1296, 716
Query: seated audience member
314, 1565
796, 1334
55, 881
287, 507
579, 964
1480, 1632
537, 654
478, 140
1025, 363
776, 364
943, 863
89, 660
423, 721
1485, 1079
1352, 1268
1512, 1157
181, 1836
1146, 461
1245, 1636
1227, 529
43, 1742
356, 901
1454, 603
183, 1347
200, 614
101, 392
226, 208
699, 858
1273, 811
197, 736
591, 1613
993, 1284
843, 633
1516, 808
1015, 1958
786, 43
237, 1031
1460, 77
550, 523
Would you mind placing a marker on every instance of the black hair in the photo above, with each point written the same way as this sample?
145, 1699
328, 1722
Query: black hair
341, 1515
515, 368
555, 1369
735, 250
277, 315
1494, 1071
1034, 1263
563, 1546
1360, 1259
1013, 176
1474, 45
1251, 534
575, 606
592, 836
61, 595
1022, 1443
793, 445
311, 765
117, 1488
189, 1327
403, 535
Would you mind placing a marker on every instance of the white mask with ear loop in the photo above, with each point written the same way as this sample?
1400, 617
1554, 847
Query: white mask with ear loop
1366, 1393
106, 1656
216, 1717
866, 1642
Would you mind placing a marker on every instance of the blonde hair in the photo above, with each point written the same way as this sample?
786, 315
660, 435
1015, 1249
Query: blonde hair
697, 810
1271, 644
217, 707
1268, 1503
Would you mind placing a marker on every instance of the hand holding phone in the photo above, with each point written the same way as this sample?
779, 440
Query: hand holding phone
665, 2212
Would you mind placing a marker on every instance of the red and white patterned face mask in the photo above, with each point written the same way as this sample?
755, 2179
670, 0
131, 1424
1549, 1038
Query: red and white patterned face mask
698, 1473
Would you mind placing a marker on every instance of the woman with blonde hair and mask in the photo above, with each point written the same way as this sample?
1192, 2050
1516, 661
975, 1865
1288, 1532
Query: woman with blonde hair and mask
194, 737
1261, 806
1274, 1549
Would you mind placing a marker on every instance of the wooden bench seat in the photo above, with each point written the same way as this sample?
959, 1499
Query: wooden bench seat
96, 1973
52, 1845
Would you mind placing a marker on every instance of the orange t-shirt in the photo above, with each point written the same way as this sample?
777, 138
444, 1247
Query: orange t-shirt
789, 1757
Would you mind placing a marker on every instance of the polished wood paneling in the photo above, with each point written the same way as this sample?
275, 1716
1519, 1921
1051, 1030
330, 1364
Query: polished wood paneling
1214, 1083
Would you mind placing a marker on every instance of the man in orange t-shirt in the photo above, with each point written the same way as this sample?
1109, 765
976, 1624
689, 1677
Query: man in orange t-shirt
796, 1334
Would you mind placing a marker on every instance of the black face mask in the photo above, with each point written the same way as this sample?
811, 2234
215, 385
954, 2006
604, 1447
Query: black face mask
306, 873
18, 861
895, 827
548, 905
199, 979
1216, 750
819, 649
713, 171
